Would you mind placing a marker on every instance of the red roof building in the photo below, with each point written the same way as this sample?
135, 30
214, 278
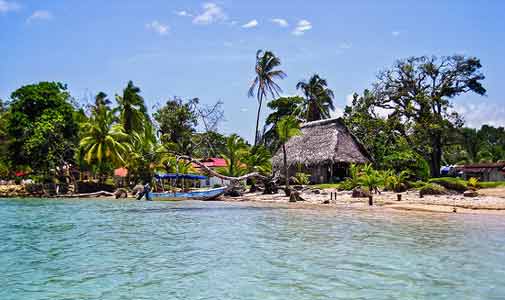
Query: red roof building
212, 162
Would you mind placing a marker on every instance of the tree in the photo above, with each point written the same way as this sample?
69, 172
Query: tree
132, 109
104, 142
415, 95
235, 150
281, 107
287, 128
4, 168
318, 99
41, 124
177, 121
264, 82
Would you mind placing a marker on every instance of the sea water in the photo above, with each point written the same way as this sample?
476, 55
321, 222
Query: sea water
109, 249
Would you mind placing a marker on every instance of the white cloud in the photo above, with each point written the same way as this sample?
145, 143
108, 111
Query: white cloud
183, 13
345, 45
211, 13
40, 15
395, 33
250, 24
8, 6
348, 99
301, 27
158, 27
244, 109
280, 22
475, 115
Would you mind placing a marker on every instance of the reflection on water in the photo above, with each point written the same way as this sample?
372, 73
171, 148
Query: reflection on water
106, 249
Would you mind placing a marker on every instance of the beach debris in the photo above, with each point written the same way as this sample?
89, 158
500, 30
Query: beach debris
360, 193
470, 193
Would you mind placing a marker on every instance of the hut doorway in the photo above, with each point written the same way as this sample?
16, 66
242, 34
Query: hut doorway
338, 171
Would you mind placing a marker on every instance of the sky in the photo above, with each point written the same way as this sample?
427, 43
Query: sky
207, 49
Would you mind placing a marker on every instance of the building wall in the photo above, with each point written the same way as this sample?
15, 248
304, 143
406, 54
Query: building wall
212, 181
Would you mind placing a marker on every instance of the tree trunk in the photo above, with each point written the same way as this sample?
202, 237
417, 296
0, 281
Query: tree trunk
436, 156
286, 170
260, 101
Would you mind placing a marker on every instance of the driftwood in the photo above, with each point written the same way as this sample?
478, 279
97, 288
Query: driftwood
208, 170
88, 195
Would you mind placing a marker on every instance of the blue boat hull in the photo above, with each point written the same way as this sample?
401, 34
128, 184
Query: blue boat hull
193, 195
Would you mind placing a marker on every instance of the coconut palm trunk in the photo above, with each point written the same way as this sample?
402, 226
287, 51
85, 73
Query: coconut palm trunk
286, 170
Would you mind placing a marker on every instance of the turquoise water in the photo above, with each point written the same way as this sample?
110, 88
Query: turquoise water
107, 249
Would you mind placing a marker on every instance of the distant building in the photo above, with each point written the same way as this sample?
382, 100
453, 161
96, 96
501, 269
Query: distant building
213, 163
325, 150
482, 171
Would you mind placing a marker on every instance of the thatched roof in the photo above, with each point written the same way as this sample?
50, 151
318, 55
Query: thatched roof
322, 142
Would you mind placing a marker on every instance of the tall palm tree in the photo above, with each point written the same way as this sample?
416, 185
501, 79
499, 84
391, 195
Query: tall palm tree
103, 140
132, 109
287, 128
318, 99
264, 83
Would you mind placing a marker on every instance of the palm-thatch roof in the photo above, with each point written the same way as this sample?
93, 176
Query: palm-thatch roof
323, 142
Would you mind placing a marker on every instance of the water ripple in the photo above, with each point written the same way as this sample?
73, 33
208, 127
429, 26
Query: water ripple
107, 249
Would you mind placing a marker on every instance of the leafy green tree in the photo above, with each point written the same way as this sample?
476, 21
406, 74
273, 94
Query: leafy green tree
40, 122
281, 107
264, 84
132, 109
210, 144
235, 151
417, 92
318, 99
4, 168
104, 141
142, 158
287, 128
177, 121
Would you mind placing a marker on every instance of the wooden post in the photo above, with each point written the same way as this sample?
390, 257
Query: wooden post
370, 200
399, 197
331, 195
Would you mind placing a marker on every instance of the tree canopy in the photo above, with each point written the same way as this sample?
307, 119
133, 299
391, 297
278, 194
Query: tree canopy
41, 118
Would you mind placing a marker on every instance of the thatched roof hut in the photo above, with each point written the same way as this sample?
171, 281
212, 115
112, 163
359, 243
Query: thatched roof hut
325, 144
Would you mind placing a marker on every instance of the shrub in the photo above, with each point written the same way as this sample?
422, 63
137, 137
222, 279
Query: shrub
301, 178
395, 182
451, 183
432, 189
408, 161
473, 183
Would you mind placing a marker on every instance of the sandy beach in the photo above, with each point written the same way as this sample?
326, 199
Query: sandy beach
489, 201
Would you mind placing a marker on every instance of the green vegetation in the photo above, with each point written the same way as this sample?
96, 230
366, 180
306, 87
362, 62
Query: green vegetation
287, 128
264, 83
405, 121
450, 183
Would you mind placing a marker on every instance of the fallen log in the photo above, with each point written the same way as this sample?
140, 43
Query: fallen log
88, 195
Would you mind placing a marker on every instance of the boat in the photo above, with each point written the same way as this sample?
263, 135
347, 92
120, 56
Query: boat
206, 195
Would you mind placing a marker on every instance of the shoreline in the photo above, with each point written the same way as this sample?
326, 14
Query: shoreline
489, 201
411, 202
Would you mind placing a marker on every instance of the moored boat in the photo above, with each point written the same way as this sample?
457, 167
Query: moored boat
209, 194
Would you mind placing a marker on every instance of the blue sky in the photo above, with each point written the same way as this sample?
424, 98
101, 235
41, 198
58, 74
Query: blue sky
206, 49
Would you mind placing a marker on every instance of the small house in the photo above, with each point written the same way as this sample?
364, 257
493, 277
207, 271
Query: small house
482, 171
213, 163
325, 150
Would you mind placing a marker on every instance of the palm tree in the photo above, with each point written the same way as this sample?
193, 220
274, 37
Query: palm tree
132, 108
287, 128
264, 84
234, 152
318, 99
104, 141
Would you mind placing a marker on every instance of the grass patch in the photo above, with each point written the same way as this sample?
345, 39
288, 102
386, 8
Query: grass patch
451, 183
491, 184
326, 186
